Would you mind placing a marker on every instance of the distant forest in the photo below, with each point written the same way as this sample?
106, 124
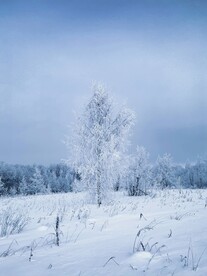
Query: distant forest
58, 178
36, 179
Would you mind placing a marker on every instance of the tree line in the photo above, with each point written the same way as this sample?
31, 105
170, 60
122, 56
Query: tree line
35, 179
138, 178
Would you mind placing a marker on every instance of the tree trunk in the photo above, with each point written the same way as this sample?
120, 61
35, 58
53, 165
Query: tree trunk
99, 201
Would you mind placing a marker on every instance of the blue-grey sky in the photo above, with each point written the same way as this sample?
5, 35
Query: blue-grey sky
151, 54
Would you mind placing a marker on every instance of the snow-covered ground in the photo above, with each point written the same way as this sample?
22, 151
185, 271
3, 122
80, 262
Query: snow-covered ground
161, 235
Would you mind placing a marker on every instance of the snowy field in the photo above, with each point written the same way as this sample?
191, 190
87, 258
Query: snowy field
165, 234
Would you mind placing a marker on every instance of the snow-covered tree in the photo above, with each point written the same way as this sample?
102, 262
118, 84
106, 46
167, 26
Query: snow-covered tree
99, 144
37, 183
199, 171
188, 177
164, 176
139, 173
23, 186
2, 189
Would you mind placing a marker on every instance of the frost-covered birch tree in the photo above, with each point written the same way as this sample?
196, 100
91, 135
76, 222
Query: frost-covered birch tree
164, 175
139, 173
37, 183
23, 187
99, 143
2, 189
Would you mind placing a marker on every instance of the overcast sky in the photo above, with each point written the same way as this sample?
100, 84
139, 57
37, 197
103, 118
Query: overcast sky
152, 55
